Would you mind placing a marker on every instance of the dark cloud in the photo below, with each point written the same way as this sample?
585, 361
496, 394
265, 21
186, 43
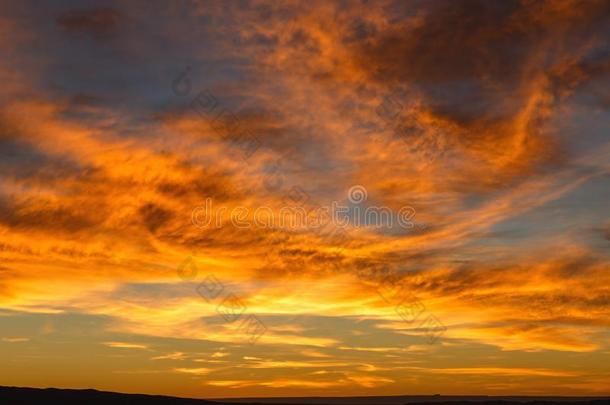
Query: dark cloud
201, 188
18, 157
21, 160
84, 100
471, 57
476, 40
95, 22
605, 232
45, 217
154, 216
459, 41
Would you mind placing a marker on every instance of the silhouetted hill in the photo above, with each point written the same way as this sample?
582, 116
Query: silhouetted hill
38, 396
48, 396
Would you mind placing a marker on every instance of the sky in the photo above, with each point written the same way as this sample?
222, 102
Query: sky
253, 198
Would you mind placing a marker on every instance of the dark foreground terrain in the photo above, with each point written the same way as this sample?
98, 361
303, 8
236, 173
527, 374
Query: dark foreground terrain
36, 396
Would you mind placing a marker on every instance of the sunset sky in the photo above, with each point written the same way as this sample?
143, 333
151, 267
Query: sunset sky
125, 125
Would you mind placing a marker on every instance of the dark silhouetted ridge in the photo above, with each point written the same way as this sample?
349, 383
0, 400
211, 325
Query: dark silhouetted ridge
39, 396
49, 396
